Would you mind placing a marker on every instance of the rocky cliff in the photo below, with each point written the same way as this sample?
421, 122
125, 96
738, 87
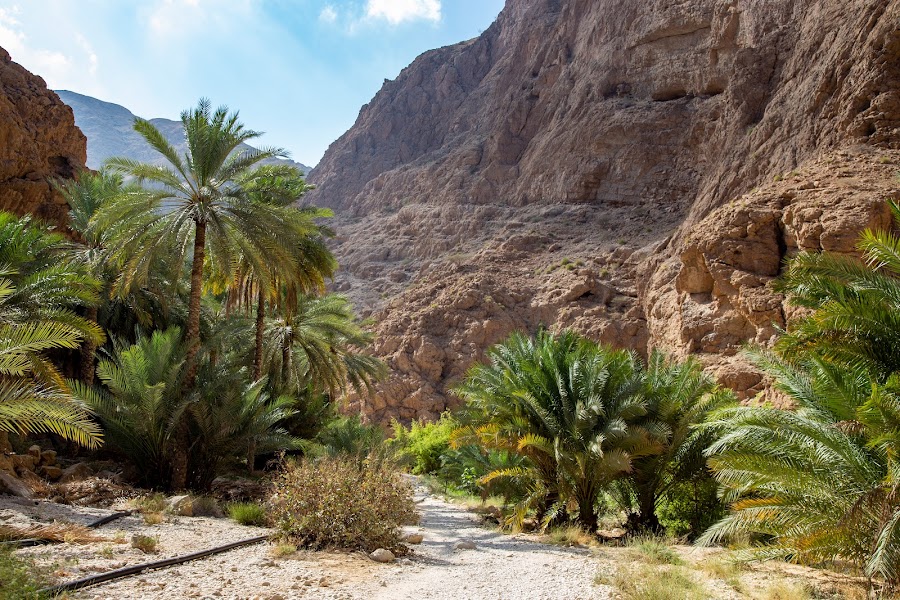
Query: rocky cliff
636, 170
38, 142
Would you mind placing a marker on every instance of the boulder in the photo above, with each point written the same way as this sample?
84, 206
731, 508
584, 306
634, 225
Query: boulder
181, 505
413, 538
76, 472
14, 487
48, 458
35, 451
383, 556
50, 472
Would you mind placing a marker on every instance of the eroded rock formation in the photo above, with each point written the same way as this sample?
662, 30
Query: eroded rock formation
611, 165
38, 142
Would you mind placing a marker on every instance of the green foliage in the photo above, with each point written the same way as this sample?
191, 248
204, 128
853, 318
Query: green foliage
422, 445
39, 292
690, 507
19, 578
249, 513
142, 403
145, 543
654, 550
336, 502
348, 436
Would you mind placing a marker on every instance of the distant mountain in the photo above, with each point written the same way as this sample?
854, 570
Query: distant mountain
109, 132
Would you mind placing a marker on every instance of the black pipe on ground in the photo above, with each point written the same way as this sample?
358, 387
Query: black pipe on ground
151, 566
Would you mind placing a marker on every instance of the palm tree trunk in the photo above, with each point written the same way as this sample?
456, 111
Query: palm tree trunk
260, 331
88, 350
192, 339
285, 362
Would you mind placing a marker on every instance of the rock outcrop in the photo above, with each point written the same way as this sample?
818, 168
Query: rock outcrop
636, 170
38, 142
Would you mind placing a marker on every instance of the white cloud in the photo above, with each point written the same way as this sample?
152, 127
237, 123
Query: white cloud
400, 11
328, 15
49, 64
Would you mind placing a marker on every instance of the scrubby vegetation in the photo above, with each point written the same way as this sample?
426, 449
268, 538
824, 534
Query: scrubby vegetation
18, 578
249, 513
336, 502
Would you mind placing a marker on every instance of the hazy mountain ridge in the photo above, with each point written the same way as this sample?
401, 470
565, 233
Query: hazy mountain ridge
109, 130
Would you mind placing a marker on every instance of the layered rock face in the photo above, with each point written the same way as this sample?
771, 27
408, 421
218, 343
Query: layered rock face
38, 142
635, 170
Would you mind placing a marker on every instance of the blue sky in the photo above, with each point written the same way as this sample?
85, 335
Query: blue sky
297, 69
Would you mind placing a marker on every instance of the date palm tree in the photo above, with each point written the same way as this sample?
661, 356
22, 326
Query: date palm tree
195, 207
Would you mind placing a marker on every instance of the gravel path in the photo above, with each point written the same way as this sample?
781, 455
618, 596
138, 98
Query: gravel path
498, 567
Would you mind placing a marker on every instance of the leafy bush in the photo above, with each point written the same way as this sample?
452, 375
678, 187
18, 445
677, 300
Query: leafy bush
248, 513
19, 580
690, 507
338, 502
423, 445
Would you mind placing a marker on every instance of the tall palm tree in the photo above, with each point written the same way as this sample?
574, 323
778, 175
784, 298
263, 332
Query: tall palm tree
86, 196
193, 207
308, 264
566, 404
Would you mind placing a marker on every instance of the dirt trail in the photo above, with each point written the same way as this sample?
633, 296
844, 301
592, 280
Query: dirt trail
499, 567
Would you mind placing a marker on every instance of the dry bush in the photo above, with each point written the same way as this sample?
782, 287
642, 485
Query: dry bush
658, 582
144, 543
338, 502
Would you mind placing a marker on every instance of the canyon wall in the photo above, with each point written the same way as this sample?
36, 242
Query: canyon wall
635, 170
38, 142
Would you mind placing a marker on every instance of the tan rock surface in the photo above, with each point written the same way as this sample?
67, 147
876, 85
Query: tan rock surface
38, 142
640, 138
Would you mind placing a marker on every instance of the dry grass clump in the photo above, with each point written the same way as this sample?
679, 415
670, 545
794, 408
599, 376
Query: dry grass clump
282, 550
340, 502
785, 590
55, 532
573, 535
144, 543
654, 550
658, 582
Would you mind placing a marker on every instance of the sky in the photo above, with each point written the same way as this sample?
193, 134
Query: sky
298, 70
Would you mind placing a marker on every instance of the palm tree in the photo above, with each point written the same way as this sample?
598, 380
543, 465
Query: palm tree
40, 289
195, 208
316, 348
308, 264
192, 206
567, 405
86, 196
818, 481
679, 397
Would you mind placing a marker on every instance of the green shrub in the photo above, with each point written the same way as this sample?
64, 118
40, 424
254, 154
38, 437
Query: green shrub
691, 507
338, 502
422, 445
349, 436
654, 550
19, 580
248, 513
144, 543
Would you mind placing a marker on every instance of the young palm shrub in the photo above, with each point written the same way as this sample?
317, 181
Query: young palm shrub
39, 292
679, 396
141, 402
567, 405
816, 481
